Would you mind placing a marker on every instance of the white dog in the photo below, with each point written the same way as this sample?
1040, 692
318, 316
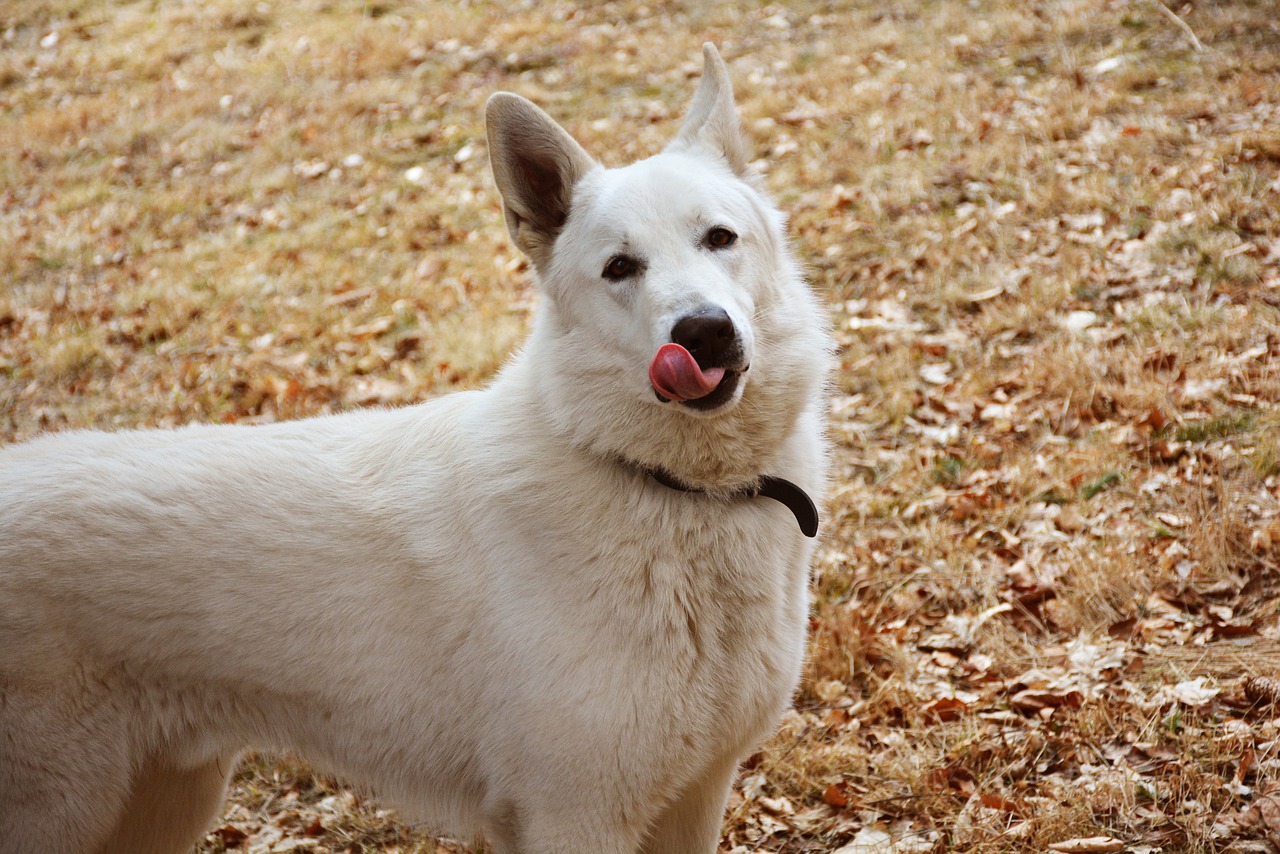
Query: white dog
556, 612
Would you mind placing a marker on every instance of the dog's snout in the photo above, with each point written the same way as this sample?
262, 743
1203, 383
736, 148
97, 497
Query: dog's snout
708, 334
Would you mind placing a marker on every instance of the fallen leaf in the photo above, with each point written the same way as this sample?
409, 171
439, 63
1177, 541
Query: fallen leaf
997, 802
230, 836
829, 690
936, 373
836, 795
1032, 700
1088, 845
1194, 692
946, 709
868, 840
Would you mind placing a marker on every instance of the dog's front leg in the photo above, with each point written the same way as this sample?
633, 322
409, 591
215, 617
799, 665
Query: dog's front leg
691, 823
560, 830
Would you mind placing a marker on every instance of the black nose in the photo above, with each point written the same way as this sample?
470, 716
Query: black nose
708, 335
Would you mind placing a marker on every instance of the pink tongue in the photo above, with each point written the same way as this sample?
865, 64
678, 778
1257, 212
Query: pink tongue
676, 376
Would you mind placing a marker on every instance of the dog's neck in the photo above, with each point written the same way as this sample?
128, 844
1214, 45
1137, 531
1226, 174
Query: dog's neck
727, 459
779, 489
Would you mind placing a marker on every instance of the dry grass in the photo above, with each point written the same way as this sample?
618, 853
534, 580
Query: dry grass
1050, 239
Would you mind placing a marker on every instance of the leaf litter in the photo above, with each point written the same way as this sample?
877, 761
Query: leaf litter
1045, 605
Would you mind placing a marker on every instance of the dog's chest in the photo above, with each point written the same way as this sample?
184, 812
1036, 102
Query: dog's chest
665, 627
717, 616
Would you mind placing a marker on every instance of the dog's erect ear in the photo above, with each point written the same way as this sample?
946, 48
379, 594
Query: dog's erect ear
712, 123
535, 165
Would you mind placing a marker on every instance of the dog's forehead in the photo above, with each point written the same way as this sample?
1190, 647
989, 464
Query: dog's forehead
669, 189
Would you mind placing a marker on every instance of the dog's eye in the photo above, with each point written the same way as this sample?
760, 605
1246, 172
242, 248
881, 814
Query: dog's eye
720, 238
619, 268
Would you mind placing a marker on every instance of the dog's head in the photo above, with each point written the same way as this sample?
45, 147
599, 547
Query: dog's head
672, 291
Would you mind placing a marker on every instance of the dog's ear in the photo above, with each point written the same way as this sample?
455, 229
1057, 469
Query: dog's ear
535, 165
712, 123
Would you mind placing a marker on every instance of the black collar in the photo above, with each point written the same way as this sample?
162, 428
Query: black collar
782, 491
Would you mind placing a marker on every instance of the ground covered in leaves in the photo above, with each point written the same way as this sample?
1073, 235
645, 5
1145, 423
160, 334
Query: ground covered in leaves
1046, 602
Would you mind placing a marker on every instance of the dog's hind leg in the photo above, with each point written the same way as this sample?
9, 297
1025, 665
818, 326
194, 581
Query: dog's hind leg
168, 807
691, 822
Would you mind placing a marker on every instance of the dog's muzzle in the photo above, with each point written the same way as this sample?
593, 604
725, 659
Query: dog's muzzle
703, 364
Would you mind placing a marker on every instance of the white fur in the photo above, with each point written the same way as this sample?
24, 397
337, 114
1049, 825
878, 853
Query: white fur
480, 607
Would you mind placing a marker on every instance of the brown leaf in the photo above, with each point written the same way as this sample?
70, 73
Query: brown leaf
836, 795
1036, 593
835, 717
954, 778
1124, 629
1265, 812
1166, 451
1032, 700
1155, 419
1235, 628
946, 709
997, 802
230, 836
1245, 765
1088, 845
